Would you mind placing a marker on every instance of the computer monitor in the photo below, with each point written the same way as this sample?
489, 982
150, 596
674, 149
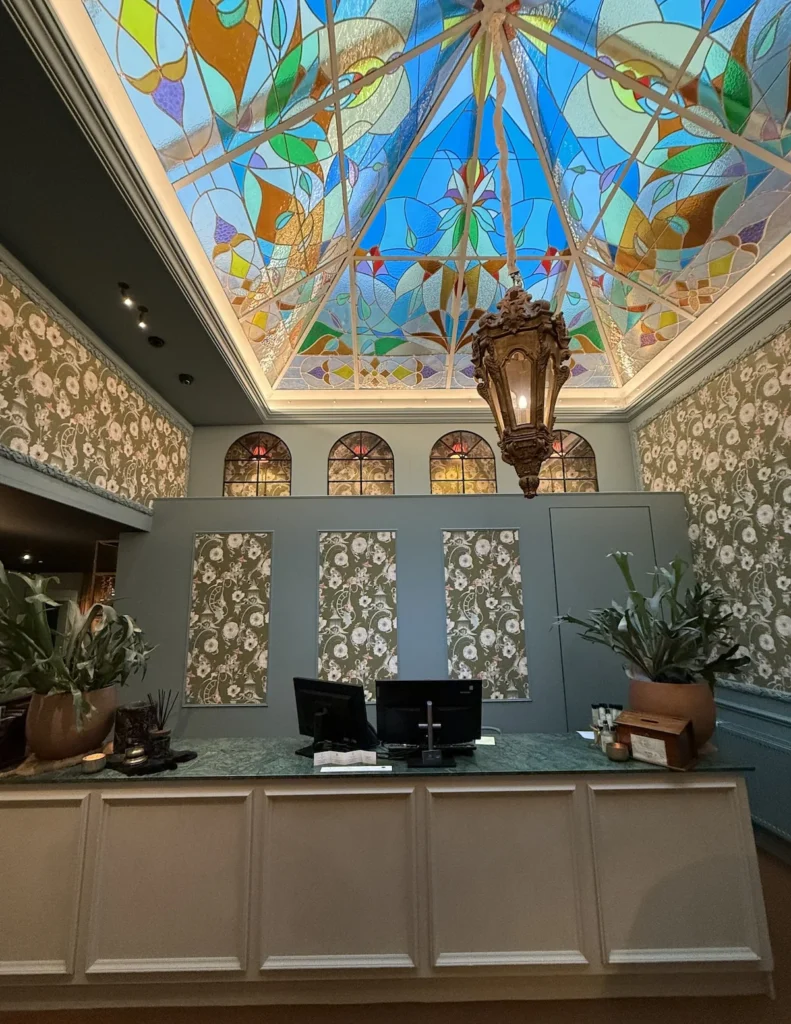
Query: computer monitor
334, 715
429, 714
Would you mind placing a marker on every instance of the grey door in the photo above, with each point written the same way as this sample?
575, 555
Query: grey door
585, 578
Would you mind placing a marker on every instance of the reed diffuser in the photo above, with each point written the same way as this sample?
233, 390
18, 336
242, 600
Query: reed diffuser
159, 737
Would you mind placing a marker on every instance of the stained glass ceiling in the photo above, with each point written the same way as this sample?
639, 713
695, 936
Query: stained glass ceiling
337, 164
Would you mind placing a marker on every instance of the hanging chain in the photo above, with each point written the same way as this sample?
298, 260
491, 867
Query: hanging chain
496, 28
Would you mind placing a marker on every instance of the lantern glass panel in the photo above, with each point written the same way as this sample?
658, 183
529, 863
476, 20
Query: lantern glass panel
519, 371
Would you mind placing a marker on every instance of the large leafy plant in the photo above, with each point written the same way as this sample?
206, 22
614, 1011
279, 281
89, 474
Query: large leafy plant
96, 649
673, 634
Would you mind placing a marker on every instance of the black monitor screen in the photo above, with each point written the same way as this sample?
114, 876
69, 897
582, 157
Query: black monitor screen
333, 712
401, 709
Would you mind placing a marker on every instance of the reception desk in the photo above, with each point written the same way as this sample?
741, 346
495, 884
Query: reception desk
538, 869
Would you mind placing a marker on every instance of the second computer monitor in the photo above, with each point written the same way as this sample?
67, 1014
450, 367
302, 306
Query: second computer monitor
401, 710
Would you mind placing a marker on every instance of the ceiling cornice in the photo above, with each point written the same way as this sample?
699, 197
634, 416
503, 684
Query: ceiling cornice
47, 39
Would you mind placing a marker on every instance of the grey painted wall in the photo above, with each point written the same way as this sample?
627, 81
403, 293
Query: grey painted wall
563, 537
411, 443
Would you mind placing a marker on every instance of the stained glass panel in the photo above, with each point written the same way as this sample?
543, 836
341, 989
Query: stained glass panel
589, 364
636, 323
257, 465
462, 463
361, 463
485, 283
570, 468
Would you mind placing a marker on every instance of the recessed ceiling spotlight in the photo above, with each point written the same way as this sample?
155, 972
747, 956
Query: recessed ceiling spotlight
26, 556
126, 298
142, 323
155, 341
186, 378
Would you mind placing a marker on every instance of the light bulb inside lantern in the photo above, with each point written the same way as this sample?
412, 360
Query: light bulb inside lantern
522, 402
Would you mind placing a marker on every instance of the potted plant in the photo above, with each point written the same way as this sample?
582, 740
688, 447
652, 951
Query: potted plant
159, 736
73, 675
674, 641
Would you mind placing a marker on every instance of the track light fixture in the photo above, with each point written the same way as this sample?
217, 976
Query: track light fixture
155, 341
126, 298
142, 323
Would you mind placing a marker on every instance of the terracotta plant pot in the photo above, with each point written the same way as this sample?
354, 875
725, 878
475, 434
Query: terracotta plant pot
694, 701
52, 732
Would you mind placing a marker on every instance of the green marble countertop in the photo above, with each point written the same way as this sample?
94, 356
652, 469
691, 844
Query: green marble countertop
274, 758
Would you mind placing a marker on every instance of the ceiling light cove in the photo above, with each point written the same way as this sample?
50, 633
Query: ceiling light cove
330, 171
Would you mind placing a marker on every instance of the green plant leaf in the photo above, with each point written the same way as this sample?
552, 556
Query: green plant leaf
278, 25
579, 169
694, 156
575, 210
766, 37
282, 219
664, 190
304, 183
678, 224
457, 233
283, 84
736, 95
364, 308
474, 231
292, 149
411, 238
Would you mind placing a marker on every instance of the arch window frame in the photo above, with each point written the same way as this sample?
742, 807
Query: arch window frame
563, 442
378, 451
455, 442
252, 443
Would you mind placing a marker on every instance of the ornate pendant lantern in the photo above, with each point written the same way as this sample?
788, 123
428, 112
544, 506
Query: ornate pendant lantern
520, 355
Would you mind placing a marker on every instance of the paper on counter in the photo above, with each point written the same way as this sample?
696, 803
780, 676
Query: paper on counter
585, 735
485, 741
356, 769
344, 757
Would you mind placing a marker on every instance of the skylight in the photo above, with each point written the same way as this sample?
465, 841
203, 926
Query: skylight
338, 166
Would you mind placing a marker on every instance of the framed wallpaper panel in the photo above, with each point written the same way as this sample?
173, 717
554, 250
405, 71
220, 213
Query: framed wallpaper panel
228, 653
358, 625
485, 611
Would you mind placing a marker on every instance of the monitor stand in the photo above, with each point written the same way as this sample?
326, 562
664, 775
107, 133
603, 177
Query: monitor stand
431, 757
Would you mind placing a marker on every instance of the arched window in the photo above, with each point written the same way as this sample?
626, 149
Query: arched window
257, 466
462, 463
570, 467
360, 463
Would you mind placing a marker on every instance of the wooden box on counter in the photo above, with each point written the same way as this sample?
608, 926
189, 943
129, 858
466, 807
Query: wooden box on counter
658, 739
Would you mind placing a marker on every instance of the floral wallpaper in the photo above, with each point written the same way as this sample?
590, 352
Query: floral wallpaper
727, 445
486, 627
358, 627
229, 619
64, 407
